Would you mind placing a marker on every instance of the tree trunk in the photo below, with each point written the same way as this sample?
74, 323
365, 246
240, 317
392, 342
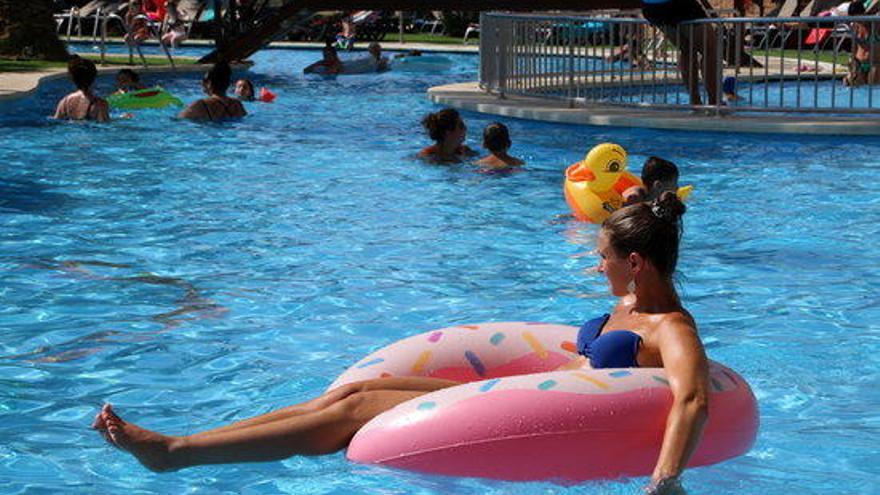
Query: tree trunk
27, 30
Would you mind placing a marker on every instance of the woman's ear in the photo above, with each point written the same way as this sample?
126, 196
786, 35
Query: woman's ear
636, 262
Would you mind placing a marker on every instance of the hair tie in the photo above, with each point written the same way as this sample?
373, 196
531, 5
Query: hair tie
658, 211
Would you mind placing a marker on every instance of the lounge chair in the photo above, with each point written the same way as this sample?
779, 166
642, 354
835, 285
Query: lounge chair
770, 34
139, 26
472, 28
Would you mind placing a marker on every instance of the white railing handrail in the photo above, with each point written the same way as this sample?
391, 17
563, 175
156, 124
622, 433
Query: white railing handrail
627, 61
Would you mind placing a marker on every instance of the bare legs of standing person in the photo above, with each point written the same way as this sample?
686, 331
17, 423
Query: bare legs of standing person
698, 56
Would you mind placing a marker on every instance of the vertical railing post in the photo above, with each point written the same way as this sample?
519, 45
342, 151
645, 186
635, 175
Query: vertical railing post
503, 48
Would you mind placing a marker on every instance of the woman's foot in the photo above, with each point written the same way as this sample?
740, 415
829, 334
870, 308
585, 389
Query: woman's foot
150, 448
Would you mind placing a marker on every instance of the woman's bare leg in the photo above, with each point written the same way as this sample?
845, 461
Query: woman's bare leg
402, 384
317, 433
687, 60
707, 46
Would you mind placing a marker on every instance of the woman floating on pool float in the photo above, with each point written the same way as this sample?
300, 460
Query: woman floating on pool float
648, 327
217, 106
448, 131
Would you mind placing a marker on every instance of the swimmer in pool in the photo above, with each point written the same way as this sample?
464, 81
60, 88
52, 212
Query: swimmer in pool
127, 80
496, 139
329, 64
375, 51
217, 106
638, 247
244, 90
658, 176
82, 104
448, 131
648, 327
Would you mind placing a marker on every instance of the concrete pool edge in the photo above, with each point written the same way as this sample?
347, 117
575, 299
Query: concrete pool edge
17, 85
387, 44
469, 96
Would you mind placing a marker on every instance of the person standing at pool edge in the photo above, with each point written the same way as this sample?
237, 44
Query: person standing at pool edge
698, 50
217, 106
638, 246
448, 131
82, 104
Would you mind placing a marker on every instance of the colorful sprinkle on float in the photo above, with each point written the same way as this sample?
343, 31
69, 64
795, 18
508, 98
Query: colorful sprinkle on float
586, 424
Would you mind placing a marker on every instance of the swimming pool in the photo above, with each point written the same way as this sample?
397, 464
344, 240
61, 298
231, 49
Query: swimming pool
195, 274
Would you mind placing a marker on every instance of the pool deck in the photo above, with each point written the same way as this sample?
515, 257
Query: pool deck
15, 85
469, 96
388, 44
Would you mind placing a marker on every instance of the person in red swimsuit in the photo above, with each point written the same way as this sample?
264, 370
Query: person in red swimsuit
155, 10
448, 131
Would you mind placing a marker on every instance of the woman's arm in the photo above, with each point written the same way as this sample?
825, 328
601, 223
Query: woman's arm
103, 111
687, 370
61, 109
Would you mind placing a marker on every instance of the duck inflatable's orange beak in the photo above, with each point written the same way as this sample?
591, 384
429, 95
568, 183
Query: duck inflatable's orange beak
579, 173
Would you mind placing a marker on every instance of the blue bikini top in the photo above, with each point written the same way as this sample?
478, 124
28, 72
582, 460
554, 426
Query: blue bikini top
616, 349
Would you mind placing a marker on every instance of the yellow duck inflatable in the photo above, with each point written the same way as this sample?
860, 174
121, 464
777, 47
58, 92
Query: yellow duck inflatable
594, 185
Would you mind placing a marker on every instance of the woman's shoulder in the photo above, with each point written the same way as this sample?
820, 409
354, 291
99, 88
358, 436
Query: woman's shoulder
428, 150
72, 97
237, 104
674, 328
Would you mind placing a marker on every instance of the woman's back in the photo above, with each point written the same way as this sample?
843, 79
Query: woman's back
82, 106
215, 109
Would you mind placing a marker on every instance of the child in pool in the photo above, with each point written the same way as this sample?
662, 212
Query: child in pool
244, 90
127, 80
728, 87
496, 139
658, 176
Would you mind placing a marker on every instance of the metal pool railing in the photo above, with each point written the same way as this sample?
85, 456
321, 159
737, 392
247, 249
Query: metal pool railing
793, 64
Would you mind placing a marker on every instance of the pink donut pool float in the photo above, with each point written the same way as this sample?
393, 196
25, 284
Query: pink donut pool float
516, 419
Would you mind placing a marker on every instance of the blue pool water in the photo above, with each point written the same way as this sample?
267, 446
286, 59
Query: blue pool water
777, 95
196, 274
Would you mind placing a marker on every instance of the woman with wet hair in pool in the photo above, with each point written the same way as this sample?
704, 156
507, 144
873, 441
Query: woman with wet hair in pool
638, 246
82, 104
217, 106
448, 131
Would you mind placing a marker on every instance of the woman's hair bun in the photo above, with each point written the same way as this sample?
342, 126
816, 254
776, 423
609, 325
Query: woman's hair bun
668, 206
